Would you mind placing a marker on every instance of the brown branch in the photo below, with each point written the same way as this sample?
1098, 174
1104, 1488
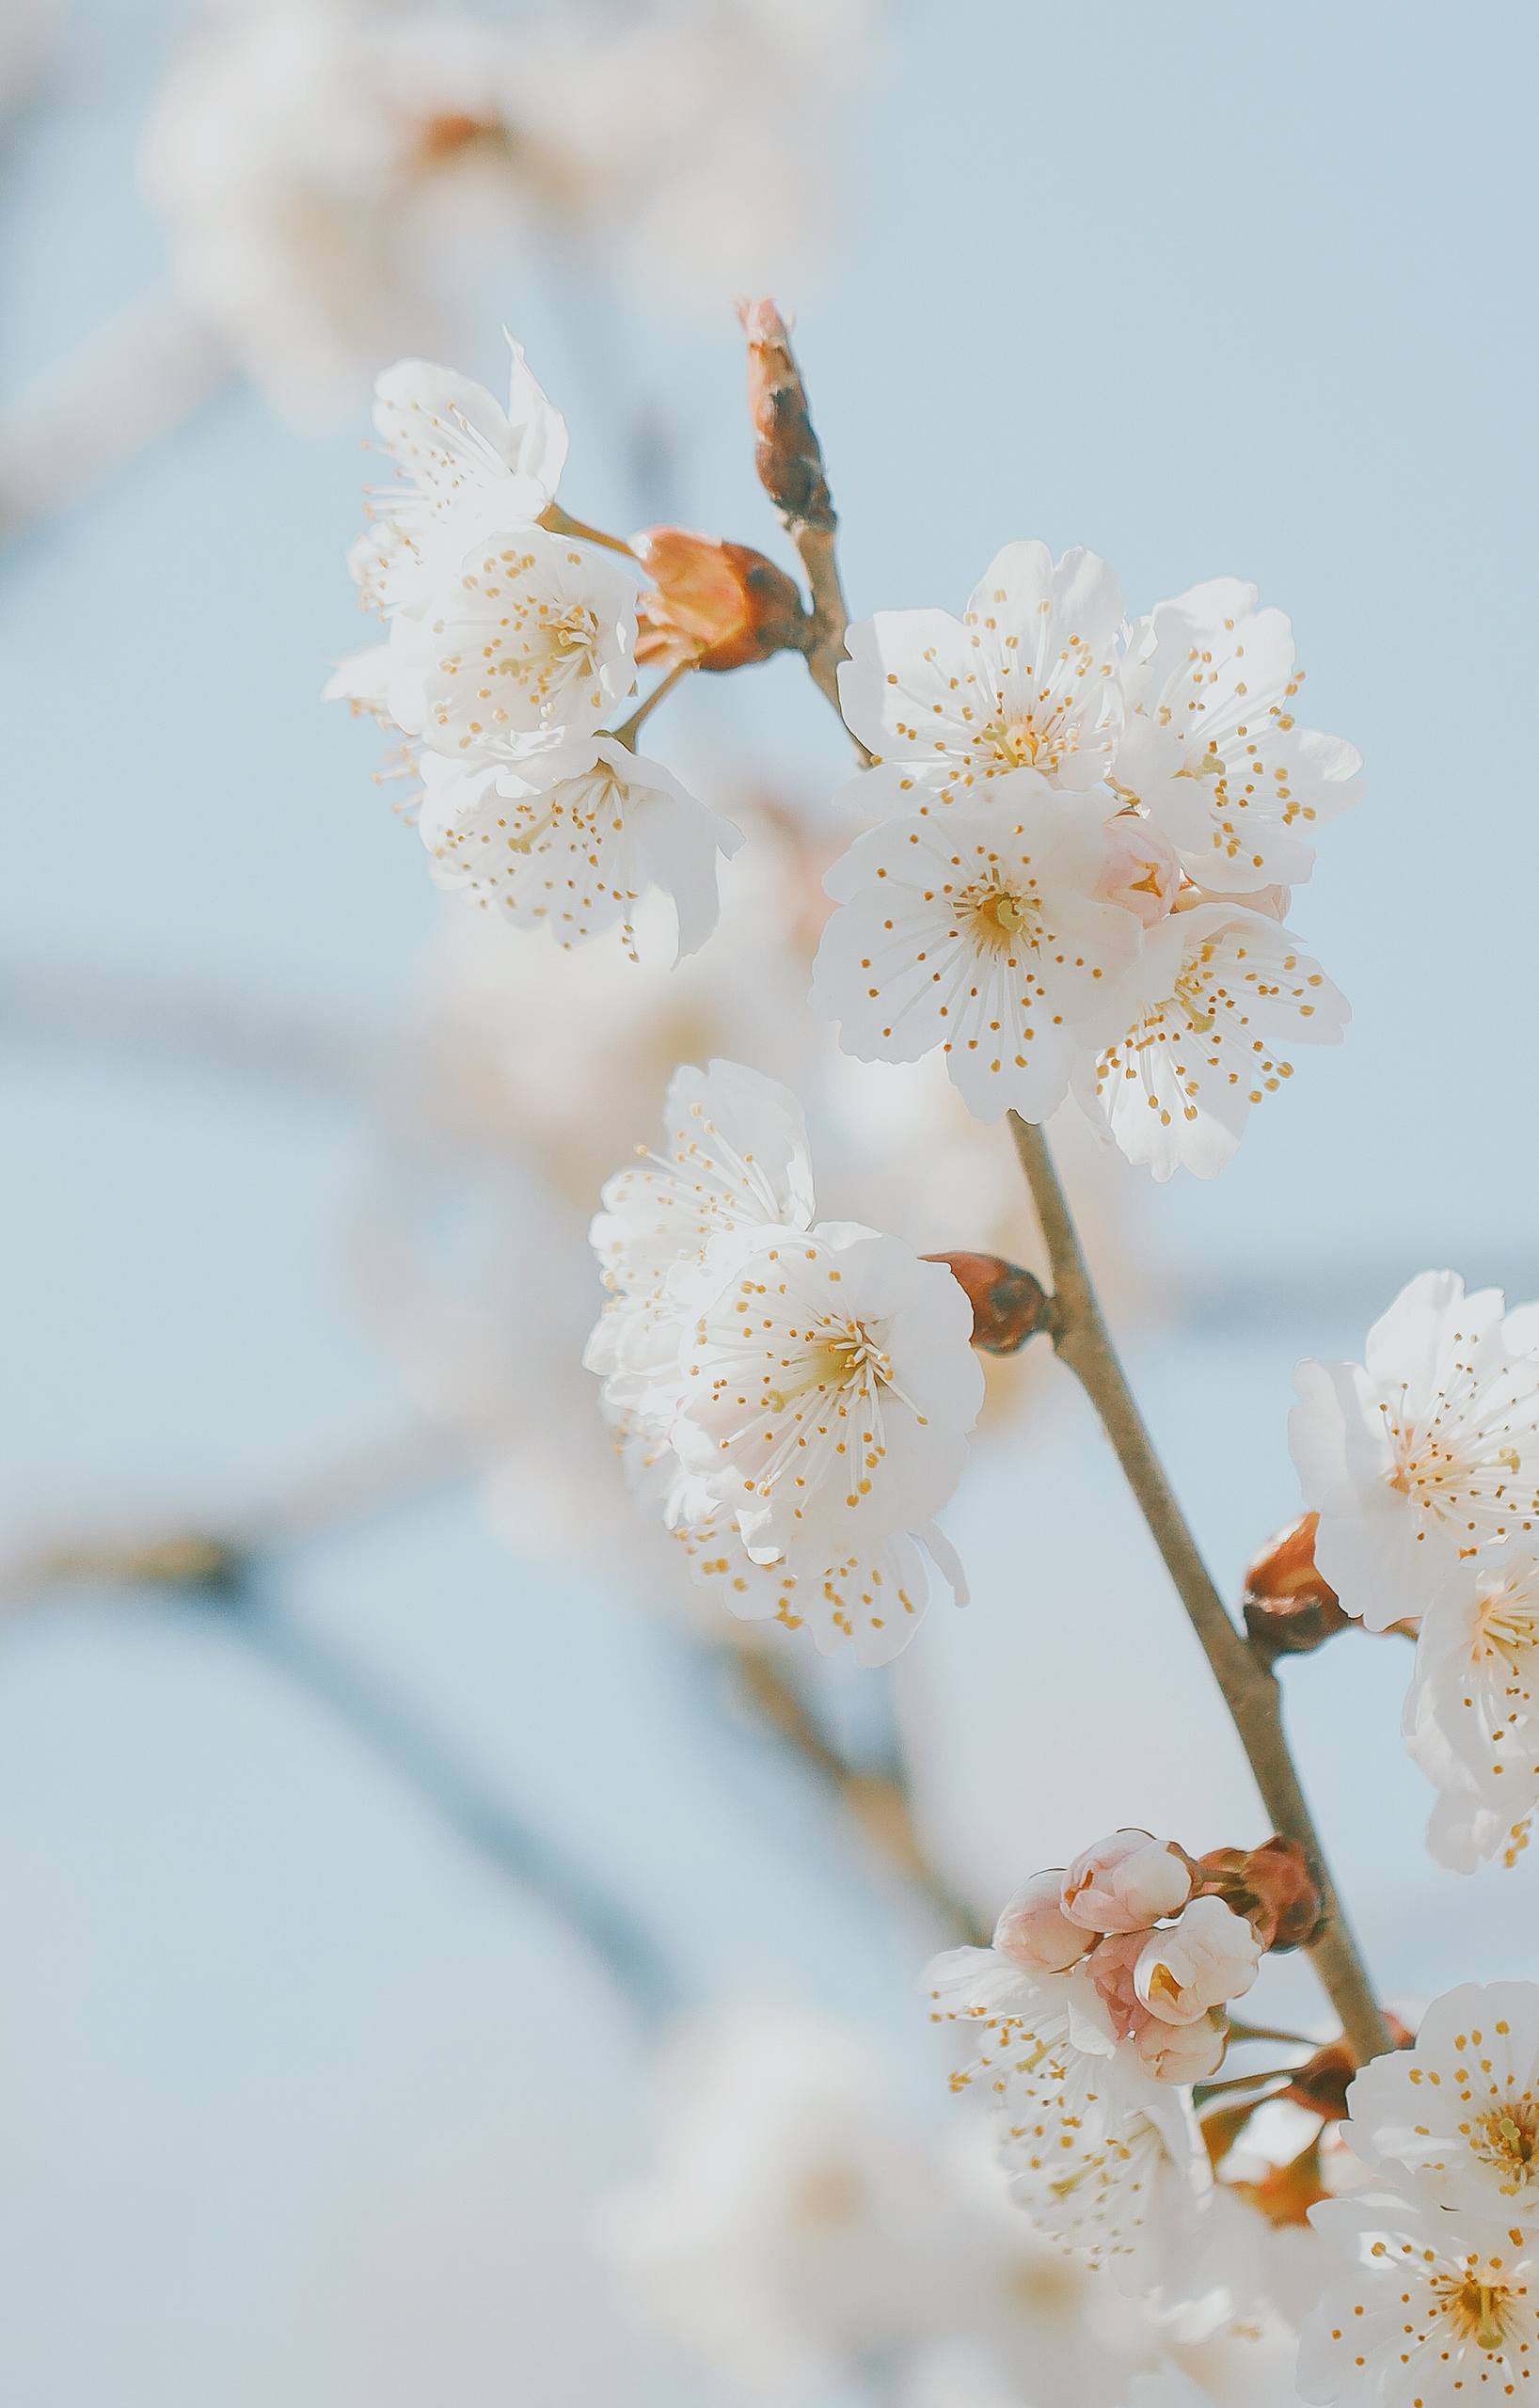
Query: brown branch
1248, 1686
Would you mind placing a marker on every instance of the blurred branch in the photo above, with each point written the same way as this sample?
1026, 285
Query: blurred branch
130, 382
220, 1568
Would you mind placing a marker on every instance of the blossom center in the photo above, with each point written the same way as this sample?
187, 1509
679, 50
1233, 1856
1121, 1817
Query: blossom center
1191, 993
1477, 2310
996, 918
1508, 2139
1028, 742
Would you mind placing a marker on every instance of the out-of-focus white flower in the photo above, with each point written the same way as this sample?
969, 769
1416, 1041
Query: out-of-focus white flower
27, 30
1035, 1933
1126, 1882
466, 467
1456, 2117
1211, 745
334, 180
1430, 2314
569, 840
1472, 1712
1026, 679
979, 930
790, 2232
1102, 2157
1207, 1956
794, 1398
1216, 997
1423, 1455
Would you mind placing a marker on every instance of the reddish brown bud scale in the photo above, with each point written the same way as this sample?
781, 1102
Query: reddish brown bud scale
1291, 1608
1286, 2193
787, 454
1272, 1885
1008, 1305
717, 605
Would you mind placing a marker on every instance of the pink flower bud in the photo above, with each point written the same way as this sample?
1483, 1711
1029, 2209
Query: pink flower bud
1034, 1932
1126, 1882
1209, 1955
1104, 2006
1141, 871
1184, 2052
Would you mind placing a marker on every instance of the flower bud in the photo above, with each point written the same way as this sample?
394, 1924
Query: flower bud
1272, 1885
716, 605
1285, 2194
787, 454
1008, 1305
1290, 1608
1209, 1955
1186, 2051
1127, 1882
1104, 2006
1034, 1932
1141, 873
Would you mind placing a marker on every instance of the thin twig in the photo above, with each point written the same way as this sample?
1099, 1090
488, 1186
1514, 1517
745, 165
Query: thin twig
626, 734
1249, 1689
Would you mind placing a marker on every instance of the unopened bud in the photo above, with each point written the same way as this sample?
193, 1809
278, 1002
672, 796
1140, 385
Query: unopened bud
1104, 2005
1272, 1885
1183, 2053
1034, 1932
1291, 1608
716, 605
787, 454
1141, 873
1008, 1305
1208, 1957
1322, 2085
1127, 1882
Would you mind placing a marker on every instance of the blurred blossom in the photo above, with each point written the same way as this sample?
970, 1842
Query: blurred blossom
333, 176
27, 28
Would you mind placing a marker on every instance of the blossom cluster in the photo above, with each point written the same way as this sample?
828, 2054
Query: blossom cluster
509, 660
1086, 834
793, 1395
1422, 1463
1441, 2302
1099, 2003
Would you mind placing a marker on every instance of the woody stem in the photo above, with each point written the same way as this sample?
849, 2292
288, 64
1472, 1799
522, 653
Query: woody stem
1247, 1683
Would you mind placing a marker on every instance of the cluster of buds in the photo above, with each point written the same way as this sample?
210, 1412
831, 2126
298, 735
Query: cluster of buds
1153, 1944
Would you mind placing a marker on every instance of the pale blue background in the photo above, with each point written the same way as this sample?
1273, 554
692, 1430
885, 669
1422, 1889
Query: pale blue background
293, 2103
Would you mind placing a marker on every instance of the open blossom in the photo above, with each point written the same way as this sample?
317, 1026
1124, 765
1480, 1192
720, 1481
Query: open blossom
980, 931
829, 1387
1026, 679
1426, 1453
1457, 2115
571, 838
1207, 1956
1216, 997
1431, 2314
1102, 2157
1211, 745
1472, 1712
465, 465
793, 1397
527, 634
1126, 1882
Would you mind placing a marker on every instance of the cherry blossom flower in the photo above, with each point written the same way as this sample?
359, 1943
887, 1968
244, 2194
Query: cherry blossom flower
1208, 1955
1034, 1932
1102, 2157
465, 468
1026, 679
571, 838
980, 931
530, 635
830, 1386
1429, 2317
1426, 1452
1472, 1712
1216, 995
870, 1600
1126, 1882
1457, 2115
1211, 747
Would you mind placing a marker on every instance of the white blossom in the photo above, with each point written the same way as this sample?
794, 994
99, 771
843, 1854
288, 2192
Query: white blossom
980, 931
1422, 1455
1211, 747
1026, 679
1126, 1882
1208, 1955
1456, 2117
529, 635
1218, 994
1430, 2316
1102, 2157
1472, 1713
571, 838
869, 1600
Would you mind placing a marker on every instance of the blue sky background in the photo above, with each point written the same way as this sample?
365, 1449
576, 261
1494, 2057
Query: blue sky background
299, 2105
